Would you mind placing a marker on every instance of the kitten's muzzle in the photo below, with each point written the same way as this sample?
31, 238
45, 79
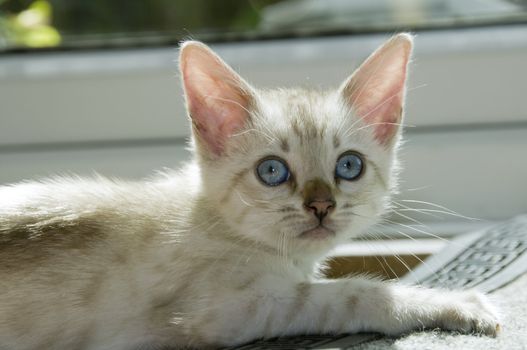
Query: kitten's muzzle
320, 208
318, 198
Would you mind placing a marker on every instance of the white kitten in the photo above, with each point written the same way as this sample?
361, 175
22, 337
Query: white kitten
226, 250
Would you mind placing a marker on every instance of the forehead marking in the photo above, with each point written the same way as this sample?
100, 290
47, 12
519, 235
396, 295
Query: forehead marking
236, 179
336, 141
297, 129
284, 145
311, 129
292, 184
378, 174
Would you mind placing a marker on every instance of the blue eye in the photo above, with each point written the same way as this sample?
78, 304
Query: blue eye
349, 167
272, 171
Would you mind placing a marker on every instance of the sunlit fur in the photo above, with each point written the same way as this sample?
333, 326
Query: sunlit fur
209, 255
274, 216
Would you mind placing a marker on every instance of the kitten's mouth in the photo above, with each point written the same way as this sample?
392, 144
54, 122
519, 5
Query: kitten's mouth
319, 232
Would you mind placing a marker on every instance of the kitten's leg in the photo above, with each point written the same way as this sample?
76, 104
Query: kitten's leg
277, 307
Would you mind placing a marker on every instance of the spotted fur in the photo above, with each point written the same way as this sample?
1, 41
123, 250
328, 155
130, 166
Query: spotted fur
210, 256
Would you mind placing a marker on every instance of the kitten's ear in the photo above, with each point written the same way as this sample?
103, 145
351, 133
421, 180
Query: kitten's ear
217, 98
376, 90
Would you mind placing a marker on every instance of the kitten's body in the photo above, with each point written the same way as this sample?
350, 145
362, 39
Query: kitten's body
209, 255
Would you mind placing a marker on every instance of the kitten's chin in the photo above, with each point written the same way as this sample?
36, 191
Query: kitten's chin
318, 233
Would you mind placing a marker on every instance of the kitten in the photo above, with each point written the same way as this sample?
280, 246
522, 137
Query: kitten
227, 249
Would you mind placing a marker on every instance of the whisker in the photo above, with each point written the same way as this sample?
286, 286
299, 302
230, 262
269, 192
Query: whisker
409, 208
243, 200
229, 101
388, 266
262, 201
275, 139
417, 230
349, 134
430, 204
421, 261
424, 211
375, 236
388, 99
362, 118
269, 138
408, 218
401, 260
417, 188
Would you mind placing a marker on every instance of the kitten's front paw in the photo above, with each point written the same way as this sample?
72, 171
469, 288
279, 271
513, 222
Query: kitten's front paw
469, 312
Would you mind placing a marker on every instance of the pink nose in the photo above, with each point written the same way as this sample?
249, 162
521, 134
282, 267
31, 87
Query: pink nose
320, 208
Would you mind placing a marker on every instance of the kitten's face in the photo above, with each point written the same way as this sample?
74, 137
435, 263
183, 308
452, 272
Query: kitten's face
303, 171
298, 170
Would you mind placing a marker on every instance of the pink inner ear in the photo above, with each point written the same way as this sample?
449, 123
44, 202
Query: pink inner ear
385, 114
376, 90
217, 98
216, 117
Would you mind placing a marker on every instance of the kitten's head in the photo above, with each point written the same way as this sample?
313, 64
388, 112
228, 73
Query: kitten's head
296, 168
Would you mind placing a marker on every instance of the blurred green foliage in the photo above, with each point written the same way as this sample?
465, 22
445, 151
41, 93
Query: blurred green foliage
30, 22
30, 27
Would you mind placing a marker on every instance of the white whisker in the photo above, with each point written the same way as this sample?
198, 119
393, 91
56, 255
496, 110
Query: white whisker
243, 200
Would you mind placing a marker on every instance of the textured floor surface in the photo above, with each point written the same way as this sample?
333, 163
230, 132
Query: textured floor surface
512, 303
